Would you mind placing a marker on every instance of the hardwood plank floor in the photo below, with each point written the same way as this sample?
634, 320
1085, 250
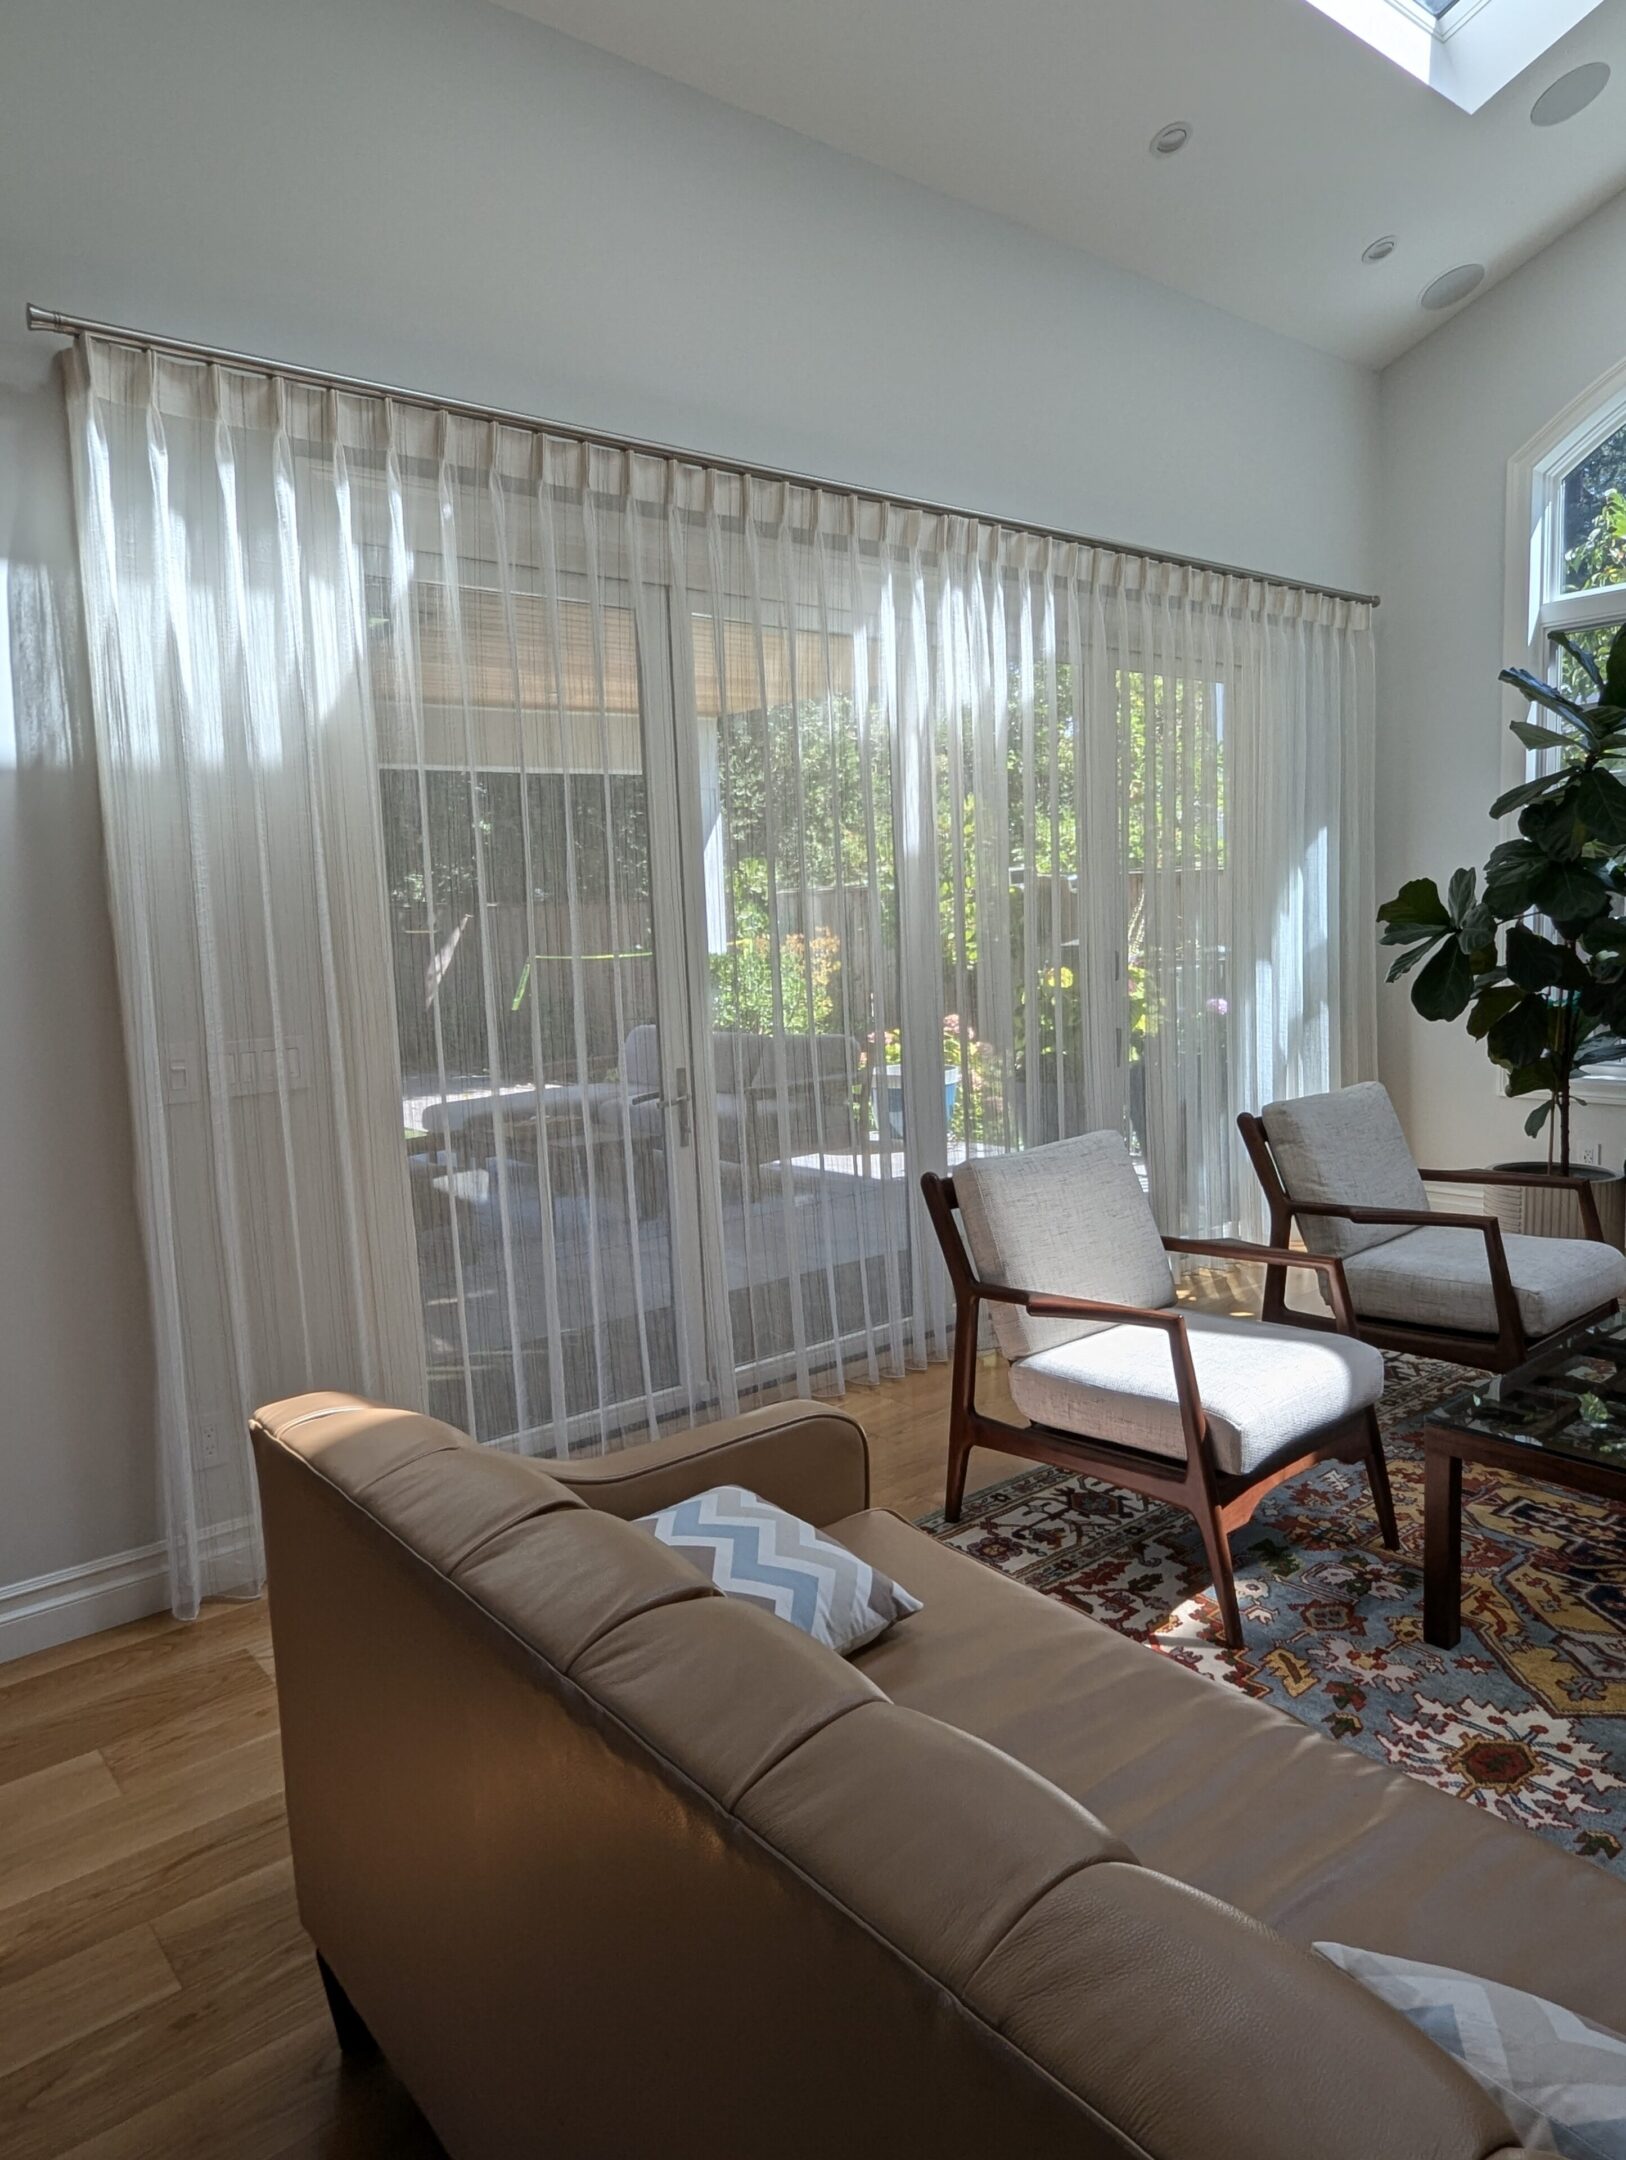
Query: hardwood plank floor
157, 1994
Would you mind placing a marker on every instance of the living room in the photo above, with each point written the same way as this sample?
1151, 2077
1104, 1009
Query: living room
814, 1103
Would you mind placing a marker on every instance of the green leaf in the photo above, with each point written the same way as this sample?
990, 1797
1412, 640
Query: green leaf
1409, 960
1476, 933
1511, 875
1442, 990
1537, 1118
1417, 902
1553, 825
1600, 804
1532, 791
1410, 933
1489, 1006
1605, 936
1524, 1035
1582, 658
1543, 693
1614, 674
1459, 896
1533, 962
1536, 737
1602, 1050
1571, 893
1533, 1079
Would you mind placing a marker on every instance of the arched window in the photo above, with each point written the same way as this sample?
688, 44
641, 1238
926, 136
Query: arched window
1567, 573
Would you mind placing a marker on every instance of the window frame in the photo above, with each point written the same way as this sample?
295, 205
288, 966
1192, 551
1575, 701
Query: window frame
1536, 604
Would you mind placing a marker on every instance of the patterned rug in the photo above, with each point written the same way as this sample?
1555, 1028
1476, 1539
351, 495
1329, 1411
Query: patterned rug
1526, 1717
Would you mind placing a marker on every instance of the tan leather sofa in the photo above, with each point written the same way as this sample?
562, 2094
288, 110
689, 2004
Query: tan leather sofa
612, 1865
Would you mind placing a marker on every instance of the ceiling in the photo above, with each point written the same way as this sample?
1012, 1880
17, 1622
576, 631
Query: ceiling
1307, 145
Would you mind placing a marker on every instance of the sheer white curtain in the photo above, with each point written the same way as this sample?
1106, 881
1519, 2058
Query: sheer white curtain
565, 897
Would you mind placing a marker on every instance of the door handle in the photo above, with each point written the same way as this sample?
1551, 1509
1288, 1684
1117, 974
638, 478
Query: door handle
681, 1101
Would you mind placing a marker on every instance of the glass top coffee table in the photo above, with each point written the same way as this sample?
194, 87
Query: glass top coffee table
1560, 1418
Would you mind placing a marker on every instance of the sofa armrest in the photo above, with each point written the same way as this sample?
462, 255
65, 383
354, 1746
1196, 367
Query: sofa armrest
801, 1456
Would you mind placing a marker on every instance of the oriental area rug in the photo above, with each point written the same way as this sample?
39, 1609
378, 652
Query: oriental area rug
1526, 1717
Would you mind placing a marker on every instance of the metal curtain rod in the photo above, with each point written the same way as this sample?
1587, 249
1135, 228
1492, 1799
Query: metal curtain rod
58, 324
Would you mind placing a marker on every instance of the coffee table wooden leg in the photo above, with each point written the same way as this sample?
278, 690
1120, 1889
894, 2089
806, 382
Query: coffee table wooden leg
1442, 1548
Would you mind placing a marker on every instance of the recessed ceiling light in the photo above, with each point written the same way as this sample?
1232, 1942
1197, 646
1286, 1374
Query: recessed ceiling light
1380, 250
1168, 140
1571, 94
1455, 285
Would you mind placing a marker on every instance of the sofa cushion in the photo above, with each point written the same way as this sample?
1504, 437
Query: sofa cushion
1234, 1796
764, 1557
1560, 2080
1068, 1218
1346, 1147
1441, 1278
1264, 1388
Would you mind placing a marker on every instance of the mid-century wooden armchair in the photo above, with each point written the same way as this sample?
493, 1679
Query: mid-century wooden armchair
1441, 1285
1200, 1409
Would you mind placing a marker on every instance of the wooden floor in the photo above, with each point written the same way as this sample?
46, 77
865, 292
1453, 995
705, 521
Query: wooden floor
158, 1999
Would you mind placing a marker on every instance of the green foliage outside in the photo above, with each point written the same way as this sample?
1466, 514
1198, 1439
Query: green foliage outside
803, 789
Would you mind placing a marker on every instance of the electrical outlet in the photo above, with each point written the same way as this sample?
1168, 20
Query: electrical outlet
1592, 1152
209, 1444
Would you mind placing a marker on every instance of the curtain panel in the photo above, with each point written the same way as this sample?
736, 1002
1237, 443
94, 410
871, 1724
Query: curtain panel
565, 896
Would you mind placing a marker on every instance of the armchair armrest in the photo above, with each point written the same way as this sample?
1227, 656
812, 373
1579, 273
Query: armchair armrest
811, 1460
1406, 1215
1509, 1326
1586, 1199
1052, 1305
1325, 1264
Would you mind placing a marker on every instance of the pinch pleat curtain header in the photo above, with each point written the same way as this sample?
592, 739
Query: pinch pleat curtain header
374, 426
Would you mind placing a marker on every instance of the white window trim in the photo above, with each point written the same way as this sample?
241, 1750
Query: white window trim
1535, 477
1468, 54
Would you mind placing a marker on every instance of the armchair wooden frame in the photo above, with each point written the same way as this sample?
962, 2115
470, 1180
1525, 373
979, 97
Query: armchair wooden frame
1509, 1346
1220, 1500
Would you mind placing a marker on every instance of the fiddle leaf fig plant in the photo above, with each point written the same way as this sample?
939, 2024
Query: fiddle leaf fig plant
1536, 955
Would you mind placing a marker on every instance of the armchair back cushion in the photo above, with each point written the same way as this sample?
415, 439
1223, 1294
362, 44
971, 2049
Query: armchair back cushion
1345, 1147
1069, 1218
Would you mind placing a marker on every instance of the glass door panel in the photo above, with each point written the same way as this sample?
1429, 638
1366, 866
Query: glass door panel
794, 900
547, 1145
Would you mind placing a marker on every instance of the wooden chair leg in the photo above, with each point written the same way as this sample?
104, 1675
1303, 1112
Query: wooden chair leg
1377, 1476
1218, 1547
959, 1455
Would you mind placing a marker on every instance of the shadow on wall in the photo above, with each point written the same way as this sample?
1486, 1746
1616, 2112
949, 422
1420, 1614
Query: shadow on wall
77, 1455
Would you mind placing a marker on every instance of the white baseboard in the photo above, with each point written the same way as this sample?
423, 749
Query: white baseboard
105, 1593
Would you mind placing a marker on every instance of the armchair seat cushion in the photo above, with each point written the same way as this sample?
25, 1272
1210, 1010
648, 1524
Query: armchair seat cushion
1264, 1388
1441, 1278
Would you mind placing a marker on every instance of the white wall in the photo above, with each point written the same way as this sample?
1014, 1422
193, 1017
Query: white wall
444, 195
1453, 411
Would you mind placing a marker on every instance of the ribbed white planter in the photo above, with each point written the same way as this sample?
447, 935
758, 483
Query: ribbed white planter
1555, 1212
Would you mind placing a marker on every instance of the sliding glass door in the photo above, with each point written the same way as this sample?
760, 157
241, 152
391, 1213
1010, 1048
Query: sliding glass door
792, 908
541, 1004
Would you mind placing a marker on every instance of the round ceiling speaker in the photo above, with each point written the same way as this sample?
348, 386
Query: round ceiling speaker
1571, 94
1456, 285
1380, 250
1170, 139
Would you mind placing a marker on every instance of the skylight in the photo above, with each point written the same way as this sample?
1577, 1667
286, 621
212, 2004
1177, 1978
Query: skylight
1467, 50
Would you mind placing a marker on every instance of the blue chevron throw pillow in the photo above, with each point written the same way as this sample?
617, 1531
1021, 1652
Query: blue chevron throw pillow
759, 1553
1561, 2079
